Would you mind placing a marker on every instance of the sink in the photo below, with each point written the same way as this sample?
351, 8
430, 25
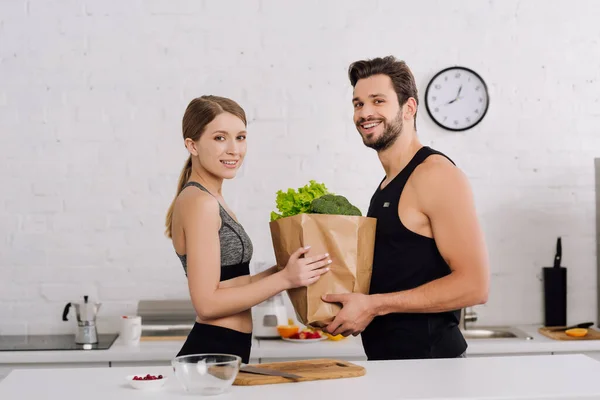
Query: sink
495, 332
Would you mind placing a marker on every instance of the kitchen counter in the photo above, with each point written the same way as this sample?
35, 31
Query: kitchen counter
161, 352
352, 346
147, 351
519, 377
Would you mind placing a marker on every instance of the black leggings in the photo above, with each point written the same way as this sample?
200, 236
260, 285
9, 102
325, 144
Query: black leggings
204, 338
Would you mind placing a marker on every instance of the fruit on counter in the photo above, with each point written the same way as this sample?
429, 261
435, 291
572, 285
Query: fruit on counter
285, 331
576, 332
337, 337
148, 377
306, 334
293, 331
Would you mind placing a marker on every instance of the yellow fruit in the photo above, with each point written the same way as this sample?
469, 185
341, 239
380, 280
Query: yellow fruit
336, 337
576, 332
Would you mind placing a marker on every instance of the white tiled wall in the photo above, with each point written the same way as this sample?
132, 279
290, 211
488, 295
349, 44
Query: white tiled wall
92, 94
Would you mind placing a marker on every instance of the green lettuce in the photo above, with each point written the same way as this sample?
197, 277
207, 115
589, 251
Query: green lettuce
293, 202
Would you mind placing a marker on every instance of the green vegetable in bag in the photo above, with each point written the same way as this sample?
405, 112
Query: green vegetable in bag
313, 198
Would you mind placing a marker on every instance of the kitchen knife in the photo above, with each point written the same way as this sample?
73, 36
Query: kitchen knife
582, 325
555, 291
558, 256
266, 371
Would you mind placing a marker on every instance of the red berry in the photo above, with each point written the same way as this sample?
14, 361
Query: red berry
147, 377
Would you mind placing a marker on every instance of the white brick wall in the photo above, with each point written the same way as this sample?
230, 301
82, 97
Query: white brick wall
92, 94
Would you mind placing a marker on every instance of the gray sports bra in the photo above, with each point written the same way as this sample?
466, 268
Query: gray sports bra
236, 247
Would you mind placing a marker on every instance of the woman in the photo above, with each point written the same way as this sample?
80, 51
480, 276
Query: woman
213, 247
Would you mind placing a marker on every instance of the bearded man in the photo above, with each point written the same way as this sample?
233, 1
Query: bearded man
430, 258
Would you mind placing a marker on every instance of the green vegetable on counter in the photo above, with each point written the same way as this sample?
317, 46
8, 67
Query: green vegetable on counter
313, 198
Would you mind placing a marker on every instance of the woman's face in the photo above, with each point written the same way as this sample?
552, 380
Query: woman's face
222, 146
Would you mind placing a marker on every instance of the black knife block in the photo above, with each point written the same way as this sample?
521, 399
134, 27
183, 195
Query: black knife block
555, 296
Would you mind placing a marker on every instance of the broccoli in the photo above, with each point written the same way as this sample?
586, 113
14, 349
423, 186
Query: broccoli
333, 204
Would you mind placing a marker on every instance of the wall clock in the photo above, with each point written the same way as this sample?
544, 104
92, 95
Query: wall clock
457, 98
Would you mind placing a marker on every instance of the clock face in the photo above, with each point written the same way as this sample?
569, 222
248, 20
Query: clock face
457, 98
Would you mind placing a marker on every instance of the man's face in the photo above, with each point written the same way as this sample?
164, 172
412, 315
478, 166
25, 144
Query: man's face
377, 113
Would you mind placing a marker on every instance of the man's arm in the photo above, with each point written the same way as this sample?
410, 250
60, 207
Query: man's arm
446, 198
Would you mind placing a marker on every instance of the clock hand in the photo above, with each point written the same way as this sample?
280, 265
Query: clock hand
457, 96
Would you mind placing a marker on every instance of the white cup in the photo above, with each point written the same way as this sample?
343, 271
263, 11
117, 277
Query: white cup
131, 330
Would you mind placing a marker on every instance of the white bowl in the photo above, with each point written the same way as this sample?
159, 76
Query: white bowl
206, 374
145, 385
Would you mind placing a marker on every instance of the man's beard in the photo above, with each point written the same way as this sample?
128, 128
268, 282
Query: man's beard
390, 133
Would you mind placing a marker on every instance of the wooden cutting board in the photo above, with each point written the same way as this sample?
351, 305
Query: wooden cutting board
310, 370
561, 335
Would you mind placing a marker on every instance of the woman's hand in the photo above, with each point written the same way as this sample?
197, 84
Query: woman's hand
305, 271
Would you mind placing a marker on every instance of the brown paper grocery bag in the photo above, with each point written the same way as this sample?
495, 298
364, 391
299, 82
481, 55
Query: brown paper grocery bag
349, 240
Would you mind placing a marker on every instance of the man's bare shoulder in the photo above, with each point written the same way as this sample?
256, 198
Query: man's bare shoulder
436, 169
437, 176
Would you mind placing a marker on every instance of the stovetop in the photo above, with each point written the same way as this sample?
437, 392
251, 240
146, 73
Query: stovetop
53, 342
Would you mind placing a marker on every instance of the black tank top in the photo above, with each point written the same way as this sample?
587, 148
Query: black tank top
404, 260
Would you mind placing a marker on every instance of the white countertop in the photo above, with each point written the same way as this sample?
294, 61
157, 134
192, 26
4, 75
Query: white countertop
519, 377
351, 347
